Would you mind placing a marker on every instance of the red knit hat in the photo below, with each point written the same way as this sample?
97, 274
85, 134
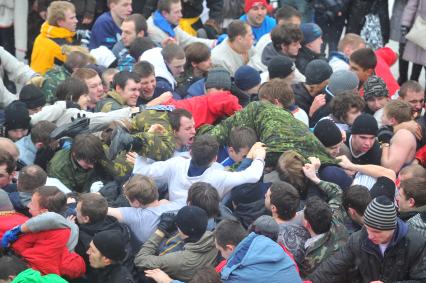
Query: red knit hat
250, 3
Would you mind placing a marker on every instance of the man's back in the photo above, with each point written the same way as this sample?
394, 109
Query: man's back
104, 32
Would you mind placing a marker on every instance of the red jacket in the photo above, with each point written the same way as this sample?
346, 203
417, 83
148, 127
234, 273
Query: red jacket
45, 251
206, 109
421, 155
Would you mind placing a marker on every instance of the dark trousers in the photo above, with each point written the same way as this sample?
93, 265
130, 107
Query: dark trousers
403, 68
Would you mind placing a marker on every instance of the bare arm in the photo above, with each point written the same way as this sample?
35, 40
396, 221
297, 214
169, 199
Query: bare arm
395, 155
115, 212
375, 171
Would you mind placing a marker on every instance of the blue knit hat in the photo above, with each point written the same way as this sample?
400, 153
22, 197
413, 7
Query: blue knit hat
246, 77
310, 32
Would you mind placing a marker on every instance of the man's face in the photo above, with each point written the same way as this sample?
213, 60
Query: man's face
96, 89
96, 259
334, 150
34, 205
128, 32
349, 50
204, 66
176, 66
130, 93
186, 133
379, 237
70, 21
17, 134
122, 9
296, 21
404, 204
35, 110
256, 15
363, 143
175, 13
315, 45
5, 177
226, 253
292, 49
417, 101
238, 156
148, 86
351, 115
386, 121
359, 71
247, 40
376, 103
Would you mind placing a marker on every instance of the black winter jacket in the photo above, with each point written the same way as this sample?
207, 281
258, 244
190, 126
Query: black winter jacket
305, 56
404, 259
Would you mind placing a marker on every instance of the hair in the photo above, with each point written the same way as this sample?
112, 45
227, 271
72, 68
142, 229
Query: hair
31, 177
365, 58
84, 74
277, 89
7, 158
410, 86
139, 46
52, 199
357, 197
342, 103
93, 206
286, 12
11, 265
144, 69
415, 170
236, 28
229, 232
415, 188
241, 137
350, 39
204, 150
142, 189
399, 110
88, 147
165, 5
290, 169
56, 11
40, 132
121, 78
176, 115
206, 275
105, 74
196, 52
318, 214
76, 59
139, 21
285, 198
71, 89
172, 51
285, 35
204, 196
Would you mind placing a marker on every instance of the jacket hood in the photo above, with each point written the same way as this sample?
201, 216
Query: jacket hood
155, 57
109, 223
56, 32
387, 54
249, 212
268, 53
204, 245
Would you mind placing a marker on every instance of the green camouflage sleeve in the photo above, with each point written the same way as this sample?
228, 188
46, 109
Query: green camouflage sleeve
334, 198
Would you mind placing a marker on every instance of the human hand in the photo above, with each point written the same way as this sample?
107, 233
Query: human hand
10, 236
87, 20
345, 163
404, 32
158, 275
411, 126
157, 129
254, 148
318, 102
43, 14
164, 97
259, 152
167, 223
315, 161
167, 41
310, 172
131, 157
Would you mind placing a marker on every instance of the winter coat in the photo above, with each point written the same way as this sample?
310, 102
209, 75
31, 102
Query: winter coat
386, 57
15, 13
259, 259
180, 265
111, 274
113, 101
413, 52
47, 48
395, 21
305, 56
403, 259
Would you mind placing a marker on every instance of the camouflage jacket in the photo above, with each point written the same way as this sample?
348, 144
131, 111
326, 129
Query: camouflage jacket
111, 102
52, 79
332, 240
275, 127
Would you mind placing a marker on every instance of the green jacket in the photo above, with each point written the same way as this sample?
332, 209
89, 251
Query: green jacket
275, 127
32, 276
53, 78
180, 265
334, 239
113, 101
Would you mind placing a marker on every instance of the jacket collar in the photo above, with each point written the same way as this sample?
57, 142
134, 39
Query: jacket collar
163, 24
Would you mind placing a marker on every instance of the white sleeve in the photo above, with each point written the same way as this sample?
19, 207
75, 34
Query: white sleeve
49, 113
185, 39
159, 170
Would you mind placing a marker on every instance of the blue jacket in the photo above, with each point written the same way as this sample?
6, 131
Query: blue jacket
104, 32
259, 259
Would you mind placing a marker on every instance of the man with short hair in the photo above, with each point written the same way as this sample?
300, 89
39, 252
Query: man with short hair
413, 93
106, 30
311, 46
236, 50
7, 168
339, 60
256, 16
58, 30
94, 83
355, 202
148, 85
376, 96
385, 250
125, 93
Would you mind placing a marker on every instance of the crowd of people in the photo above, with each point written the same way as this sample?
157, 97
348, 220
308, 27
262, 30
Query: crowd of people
212, 141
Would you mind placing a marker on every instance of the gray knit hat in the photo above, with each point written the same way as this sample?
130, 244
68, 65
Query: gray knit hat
380, 214
5, 203
265, 224
317, 71
342, 80
218, 78
375, 87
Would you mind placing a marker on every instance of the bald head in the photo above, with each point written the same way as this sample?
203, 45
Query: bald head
10, 147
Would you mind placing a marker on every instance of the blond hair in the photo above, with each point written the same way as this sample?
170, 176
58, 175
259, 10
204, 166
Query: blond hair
56, 11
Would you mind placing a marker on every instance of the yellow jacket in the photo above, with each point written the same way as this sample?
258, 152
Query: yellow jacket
46, 50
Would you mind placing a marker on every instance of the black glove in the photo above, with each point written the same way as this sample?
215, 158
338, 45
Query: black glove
167, 223
385, 134
404, 32
78, 125
122, 140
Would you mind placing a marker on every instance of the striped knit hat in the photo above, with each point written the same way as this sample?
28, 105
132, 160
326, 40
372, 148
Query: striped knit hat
380, 214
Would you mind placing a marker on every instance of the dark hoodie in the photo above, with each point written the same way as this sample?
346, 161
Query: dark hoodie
268, 53
305, 56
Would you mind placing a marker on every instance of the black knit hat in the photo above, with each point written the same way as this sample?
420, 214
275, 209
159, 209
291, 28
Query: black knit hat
327, 132
280, 67
317, 71
365, 124
192, 221
380, 214
32, 96
375, 87
16, 116
218, 78
110, 244
246, 77
383, 187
